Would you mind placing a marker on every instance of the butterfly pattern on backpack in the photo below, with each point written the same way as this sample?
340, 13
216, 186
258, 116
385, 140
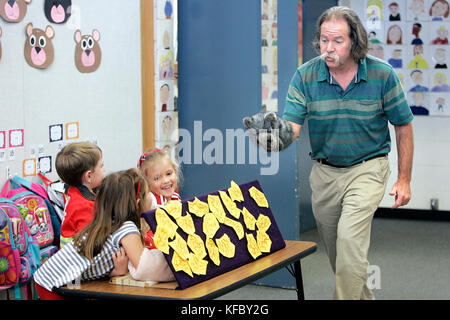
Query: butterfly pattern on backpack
9, 254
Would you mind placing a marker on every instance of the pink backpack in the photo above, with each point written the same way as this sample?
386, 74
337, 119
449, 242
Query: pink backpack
34, 211
17, 223
26, 245
9, 254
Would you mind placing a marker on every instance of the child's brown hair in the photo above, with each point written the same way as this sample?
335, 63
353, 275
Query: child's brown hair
115, 204
75, 159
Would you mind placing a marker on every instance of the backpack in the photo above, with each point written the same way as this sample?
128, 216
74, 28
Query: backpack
36, 209
55, 192
17, 223
27, 246
47, 252
9, 254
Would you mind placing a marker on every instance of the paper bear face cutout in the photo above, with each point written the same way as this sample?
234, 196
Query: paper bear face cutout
13, 10
39, 51
88, 54
58, 11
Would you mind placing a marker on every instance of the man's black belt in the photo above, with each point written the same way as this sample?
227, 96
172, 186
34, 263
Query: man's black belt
323, 161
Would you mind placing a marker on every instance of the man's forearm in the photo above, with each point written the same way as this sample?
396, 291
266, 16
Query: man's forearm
405, 149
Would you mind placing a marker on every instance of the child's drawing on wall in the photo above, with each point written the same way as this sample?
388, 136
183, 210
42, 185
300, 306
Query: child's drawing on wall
166, 68
394, 12
417, 27
374, 14
417, 107
442, 33
416, 10
376, 48
417, 79
439, 10
394, 35
440, 57
440, 83
396, 60
418, 61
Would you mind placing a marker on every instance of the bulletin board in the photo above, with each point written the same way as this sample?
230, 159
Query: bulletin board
166, 109
43, 109
239, 240
412, 36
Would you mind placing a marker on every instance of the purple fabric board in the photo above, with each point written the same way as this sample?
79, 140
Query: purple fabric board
242, 256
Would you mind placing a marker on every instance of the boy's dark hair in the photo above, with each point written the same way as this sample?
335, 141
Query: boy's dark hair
75, 159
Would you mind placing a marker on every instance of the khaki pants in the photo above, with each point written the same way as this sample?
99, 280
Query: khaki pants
343, 202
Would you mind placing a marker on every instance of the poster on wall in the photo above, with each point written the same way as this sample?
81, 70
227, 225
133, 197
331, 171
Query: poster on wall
166, 115
167, 126
58, 11
13, 11
39, 51
88, 54
165, 96
412, 36
269, 55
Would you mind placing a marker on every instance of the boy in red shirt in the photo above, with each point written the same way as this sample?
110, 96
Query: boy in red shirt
80, 166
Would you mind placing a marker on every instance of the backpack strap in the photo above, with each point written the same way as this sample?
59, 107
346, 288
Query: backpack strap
30, 186
5, 188
45, 180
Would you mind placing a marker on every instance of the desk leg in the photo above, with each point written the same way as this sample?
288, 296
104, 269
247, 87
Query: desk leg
299, 280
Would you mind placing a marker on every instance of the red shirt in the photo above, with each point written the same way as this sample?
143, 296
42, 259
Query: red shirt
160, 201
79, 210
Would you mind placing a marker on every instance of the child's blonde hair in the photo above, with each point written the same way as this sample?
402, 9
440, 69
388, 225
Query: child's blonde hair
149, 157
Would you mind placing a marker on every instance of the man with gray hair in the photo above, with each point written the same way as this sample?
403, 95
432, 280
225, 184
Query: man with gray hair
348, 98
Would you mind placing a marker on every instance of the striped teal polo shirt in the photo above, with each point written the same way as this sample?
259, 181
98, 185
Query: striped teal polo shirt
346, 127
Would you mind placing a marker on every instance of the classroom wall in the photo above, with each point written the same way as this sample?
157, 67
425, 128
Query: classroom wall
431, 165
106, 103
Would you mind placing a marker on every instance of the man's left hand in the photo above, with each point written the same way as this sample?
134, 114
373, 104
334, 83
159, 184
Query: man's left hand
402, 192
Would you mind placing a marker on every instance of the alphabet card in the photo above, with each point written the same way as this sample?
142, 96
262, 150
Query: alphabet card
72, 130
29, 167
2, 139
55, 132
45, 164
16, 138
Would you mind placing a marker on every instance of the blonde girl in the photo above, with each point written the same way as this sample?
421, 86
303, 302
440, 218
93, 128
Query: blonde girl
163, 175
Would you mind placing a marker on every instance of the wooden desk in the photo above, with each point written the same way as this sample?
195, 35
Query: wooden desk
210, 289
